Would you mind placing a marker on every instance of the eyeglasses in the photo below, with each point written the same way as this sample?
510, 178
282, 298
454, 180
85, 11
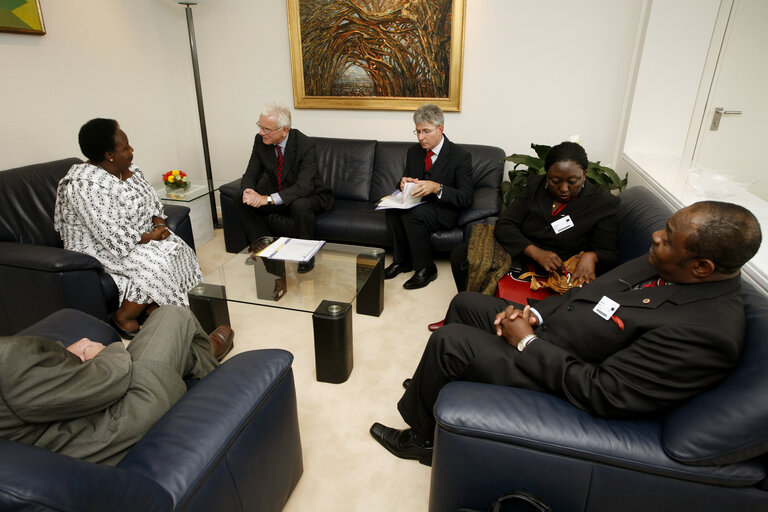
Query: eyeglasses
423, 132
267, 131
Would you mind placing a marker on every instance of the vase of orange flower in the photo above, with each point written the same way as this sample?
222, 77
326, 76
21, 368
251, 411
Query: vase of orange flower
175, 179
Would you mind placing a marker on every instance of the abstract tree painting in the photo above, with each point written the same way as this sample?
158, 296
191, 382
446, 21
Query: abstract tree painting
380, 54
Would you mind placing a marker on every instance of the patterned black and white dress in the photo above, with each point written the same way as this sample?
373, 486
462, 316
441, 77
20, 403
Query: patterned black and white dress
100, 215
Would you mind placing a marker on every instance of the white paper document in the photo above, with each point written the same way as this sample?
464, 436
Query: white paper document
291, 249
400, 199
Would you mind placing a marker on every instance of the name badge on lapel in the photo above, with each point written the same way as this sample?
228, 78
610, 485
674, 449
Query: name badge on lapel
561, 225
606, 308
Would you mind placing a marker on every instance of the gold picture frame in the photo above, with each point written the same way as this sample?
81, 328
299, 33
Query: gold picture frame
347, 55
24, 18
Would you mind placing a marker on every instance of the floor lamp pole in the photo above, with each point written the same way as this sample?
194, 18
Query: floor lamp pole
201, 113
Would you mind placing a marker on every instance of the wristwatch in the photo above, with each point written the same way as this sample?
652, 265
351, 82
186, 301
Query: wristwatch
525, 341
269, 200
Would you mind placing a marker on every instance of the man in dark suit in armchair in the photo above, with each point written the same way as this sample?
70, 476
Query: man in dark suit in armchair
442, 174
639, 340
282, 177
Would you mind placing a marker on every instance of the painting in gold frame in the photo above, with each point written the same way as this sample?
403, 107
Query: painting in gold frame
22, 16
376, 54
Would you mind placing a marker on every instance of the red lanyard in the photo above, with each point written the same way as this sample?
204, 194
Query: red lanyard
559, 209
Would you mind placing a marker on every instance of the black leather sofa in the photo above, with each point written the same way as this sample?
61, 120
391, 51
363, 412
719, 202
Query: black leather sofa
38, 276
361, 172
707, 455
231, 444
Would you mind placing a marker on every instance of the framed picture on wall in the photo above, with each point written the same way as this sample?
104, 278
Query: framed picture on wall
376, 54
22, 16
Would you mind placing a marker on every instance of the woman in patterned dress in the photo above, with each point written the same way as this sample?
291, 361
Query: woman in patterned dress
107, 209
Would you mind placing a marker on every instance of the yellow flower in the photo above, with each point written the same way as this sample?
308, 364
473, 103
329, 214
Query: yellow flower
175, 173
184, 179
171, 179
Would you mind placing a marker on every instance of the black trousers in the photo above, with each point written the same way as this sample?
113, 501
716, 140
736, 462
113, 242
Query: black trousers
460, 266
468, 349
303, 212
411, 229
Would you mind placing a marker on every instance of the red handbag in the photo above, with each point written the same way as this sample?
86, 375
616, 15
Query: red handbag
519, 291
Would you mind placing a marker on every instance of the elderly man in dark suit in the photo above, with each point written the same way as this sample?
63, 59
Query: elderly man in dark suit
442, 172
639, 340
282, 177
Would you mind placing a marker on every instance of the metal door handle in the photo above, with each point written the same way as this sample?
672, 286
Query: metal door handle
720, 112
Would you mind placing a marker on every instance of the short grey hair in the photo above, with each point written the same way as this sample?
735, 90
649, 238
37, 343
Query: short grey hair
428, 113
278, 110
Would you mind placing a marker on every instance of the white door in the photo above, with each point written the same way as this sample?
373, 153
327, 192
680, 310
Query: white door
740, 85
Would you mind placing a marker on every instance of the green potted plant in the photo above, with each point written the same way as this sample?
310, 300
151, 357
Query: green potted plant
526, 166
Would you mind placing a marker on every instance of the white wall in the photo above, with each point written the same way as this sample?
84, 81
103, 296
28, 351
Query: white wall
533, 72
127, 60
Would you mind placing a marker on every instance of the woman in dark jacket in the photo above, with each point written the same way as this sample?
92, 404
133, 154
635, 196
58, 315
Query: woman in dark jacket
556, 216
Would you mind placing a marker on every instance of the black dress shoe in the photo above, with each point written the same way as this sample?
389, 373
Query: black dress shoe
306, 266
397, 268
421, 278
406, 383
402, 443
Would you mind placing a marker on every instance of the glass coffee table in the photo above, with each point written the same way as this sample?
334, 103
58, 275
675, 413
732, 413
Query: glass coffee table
341, 274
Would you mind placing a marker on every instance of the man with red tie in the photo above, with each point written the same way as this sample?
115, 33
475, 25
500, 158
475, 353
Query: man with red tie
282, 177
638, 341
442, 174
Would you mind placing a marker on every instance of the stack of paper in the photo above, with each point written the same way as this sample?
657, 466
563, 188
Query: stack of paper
400, 199
291, 249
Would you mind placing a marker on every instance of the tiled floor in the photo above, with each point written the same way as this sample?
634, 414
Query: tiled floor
344, 468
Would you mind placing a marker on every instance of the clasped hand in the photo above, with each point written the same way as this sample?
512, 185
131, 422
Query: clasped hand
159, 233
253, 198
423, 187
513, 324
85, 349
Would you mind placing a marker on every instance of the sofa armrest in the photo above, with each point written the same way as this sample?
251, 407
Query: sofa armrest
243, 412
33, 478
46, 259
548, 424
177, 219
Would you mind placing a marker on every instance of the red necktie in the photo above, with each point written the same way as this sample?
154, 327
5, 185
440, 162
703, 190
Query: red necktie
428, 160
279, 168
652, 283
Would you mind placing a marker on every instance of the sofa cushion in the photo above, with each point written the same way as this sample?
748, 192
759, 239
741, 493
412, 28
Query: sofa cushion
345, 165
354, 222
487, 167
388, 167
640, 214
27, 199
728, 424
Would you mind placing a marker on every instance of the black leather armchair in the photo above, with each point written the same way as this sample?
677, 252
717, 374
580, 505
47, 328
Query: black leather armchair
707, 455
231, 444
360, 172
37, 275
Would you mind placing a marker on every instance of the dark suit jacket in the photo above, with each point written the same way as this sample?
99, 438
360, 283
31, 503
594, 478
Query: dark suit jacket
677, 341
452, 169
528, 220
300, 174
